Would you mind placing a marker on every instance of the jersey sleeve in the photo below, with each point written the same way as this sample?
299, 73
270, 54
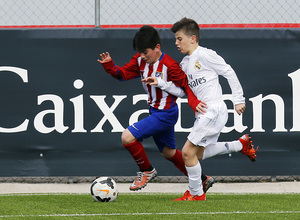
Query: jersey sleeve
222, 68
129, 71
178, 77
170, 87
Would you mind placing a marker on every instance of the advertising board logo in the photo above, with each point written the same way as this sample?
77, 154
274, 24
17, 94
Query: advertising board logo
109, 116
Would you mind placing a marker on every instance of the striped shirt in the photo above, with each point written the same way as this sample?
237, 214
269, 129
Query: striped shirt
165, 68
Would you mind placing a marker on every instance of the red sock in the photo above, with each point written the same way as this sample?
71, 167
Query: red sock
139, 155
178, 161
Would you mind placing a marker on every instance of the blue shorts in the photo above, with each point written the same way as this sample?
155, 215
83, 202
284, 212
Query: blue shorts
159, 125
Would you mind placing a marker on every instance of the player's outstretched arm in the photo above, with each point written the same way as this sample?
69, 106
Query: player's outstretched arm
108, 65
167, 86
105, 58
128, 71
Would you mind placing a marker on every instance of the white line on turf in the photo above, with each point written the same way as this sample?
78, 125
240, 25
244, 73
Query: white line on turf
167, 213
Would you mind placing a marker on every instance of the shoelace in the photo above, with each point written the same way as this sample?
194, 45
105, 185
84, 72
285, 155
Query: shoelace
139, 176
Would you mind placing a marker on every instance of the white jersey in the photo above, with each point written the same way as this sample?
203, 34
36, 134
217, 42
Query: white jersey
203, 68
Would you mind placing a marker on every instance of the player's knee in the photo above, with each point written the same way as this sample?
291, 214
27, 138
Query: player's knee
127, 137
168, 152
186, 155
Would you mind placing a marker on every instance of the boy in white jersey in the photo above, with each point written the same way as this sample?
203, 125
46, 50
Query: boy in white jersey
151, 61
203, 67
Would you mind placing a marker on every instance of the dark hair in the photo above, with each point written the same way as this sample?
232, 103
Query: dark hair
146, 37
189, 26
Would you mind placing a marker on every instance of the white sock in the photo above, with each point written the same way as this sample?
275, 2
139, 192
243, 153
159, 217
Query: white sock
195, 183
222, 148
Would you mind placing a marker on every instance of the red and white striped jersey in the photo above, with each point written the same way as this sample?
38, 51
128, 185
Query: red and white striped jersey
166, 68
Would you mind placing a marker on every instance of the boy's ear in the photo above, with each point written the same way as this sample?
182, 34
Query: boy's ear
193, 39
157, 46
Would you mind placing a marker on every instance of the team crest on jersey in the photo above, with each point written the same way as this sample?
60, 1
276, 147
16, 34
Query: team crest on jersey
158, 74
197, 66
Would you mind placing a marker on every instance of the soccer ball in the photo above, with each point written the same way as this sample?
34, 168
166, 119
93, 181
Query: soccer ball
104, 189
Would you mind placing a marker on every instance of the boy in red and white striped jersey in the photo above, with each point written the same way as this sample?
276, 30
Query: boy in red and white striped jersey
151, 61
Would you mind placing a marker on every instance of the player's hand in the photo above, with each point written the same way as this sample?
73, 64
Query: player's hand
201, 108
152, 81
105, 58
240, 108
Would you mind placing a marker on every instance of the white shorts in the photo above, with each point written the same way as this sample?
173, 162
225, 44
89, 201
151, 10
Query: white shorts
207, 127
